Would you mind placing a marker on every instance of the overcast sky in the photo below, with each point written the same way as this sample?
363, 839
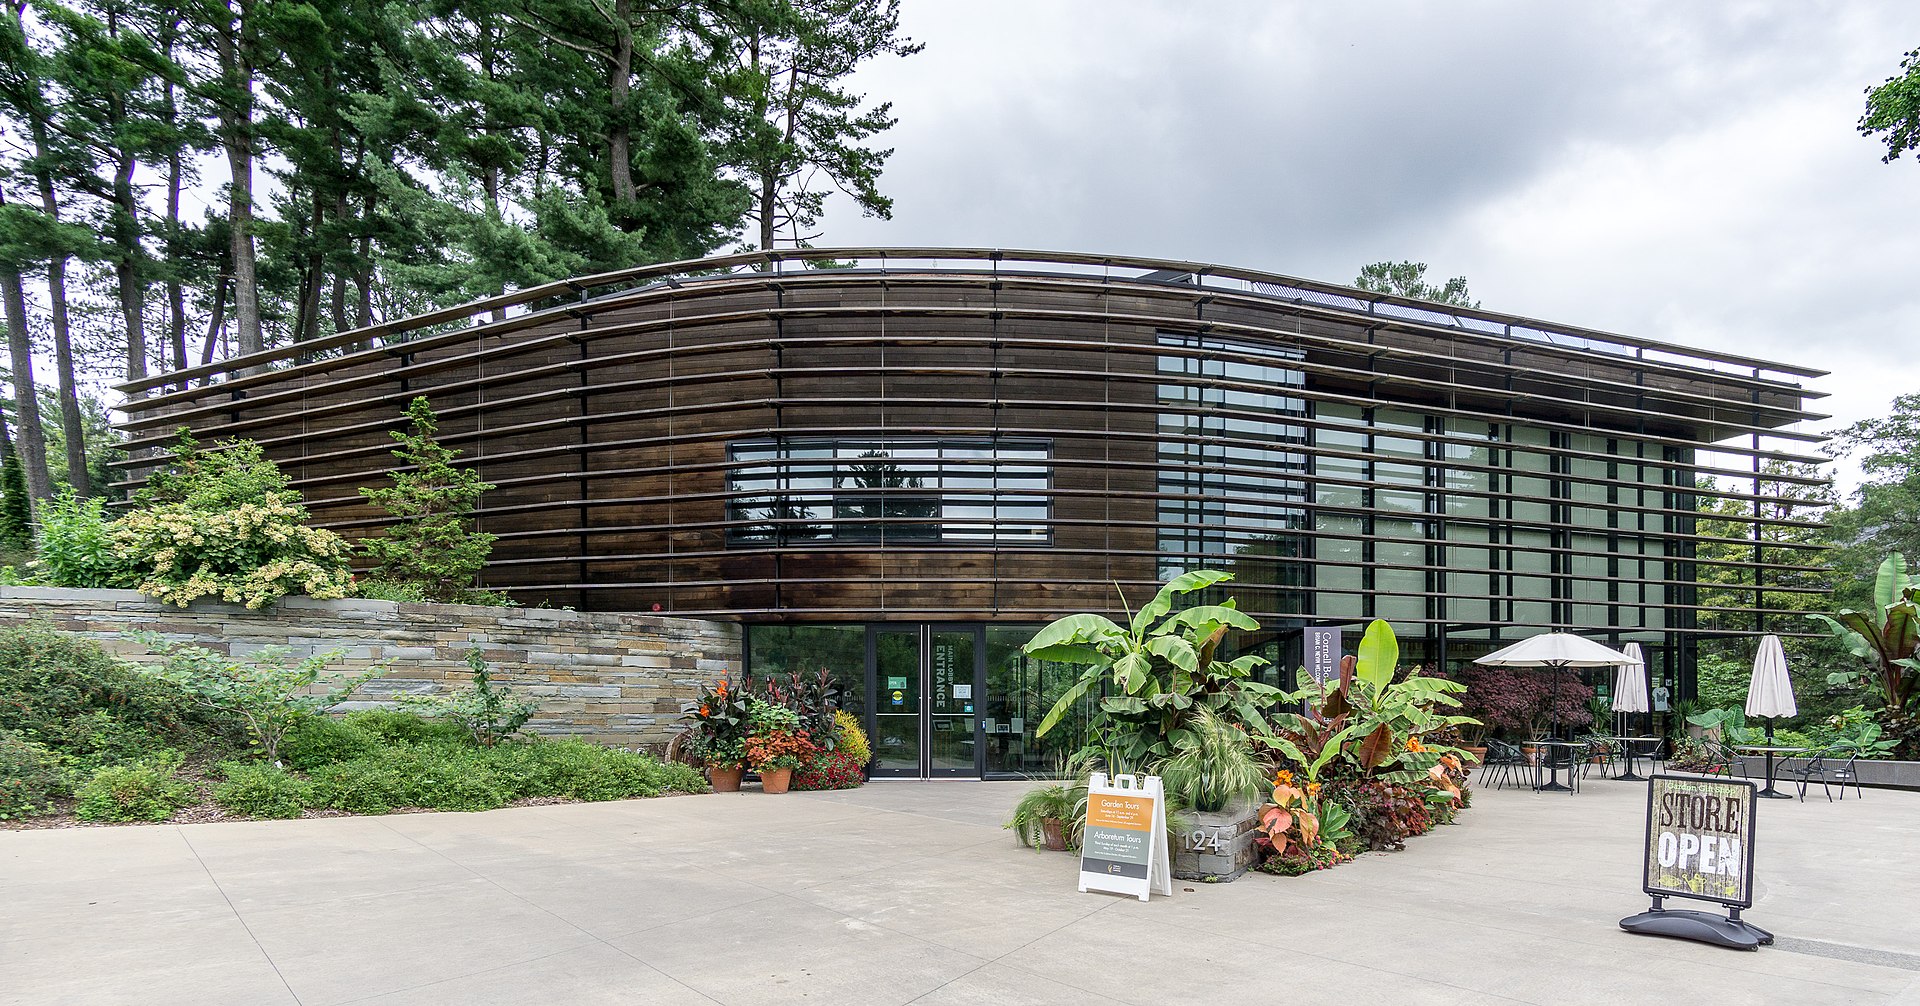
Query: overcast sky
1683, 172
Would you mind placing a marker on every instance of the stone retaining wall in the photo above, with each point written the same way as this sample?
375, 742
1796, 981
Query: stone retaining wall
616, 679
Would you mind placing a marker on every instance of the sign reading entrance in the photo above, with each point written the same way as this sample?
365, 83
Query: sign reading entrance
1123, 848
1699, 845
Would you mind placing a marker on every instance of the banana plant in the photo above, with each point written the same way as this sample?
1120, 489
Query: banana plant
1157, 670
1885, 637
1370, 718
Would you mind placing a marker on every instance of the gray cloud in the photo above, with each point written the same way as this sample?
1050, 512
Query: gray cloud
1687, 172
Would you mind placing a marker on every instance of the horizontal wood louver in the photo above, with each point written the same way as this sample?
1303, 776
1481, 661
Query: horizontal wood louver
750, 437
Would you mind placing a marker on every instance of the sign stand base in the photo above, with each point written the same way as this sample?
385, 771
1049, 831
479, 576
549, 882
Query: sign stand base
1728, 930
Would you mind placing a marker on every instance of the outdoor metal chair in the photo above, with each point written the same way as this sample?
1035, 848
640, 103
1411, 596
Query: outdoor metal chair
1502, 763
1722, 759
1552, 758
1834, 766
1599, 751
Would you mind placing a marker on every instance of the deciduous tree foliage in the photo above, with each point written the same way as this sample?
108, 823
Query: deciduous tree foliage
1893, 109
197, 181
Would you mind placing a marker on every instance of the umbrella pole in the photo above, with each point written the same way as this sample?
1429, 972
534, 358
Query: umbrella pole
1553, 733
1770, 791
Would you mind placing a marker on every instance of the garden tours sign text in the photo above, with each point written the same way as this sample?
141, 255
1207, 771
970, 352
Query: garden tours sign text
1123, 847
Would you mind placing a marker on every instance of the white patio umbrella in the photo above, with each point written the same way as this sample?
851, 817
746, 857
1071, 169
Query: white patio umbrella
1630, 682
1629, 697
1556, 650
1630, 685
1770, 694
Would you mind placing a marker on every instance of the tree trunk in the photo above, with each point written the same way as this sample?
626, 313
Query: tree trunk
126, 232
339, 291
176, 291
32, 441
236, 136
216, 321
364, 273
306, 323
619, 135
72, 429
126, 268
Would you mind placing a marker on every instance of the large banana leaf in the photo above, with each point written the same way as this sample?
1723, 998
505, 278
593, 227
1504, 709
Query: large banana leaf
1066, 701
1379, 655
1208, 618
1175, 651
1890, 581
1162, 602
1081, 628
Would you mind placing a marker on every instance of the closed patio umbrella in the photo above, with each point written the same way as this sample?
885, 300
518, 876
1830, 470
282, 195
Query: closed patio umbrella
1630, 696
1556, 650
1770, 695
1630, 682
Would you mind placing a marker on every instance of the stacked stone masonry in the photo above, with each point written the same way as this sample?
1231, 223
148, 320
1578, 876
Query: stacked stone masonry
612, 678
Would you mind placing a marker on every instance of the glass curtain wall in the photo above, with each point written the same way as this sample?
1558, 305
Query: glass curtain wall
1476, 526
1232, 487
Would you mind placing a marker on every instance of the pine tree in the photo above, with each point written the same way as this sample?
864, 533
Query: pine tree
789, 120
432, 542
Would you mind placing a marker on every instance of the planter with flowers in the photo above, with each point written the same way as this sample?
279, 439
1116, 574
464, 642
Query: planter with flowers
717, 733
776, 744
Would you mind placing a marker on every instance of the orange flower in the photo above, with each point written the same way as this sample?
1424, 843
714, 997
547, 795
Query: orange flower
1283, 778
1313, 789
704, 712
1413, 744
721, 688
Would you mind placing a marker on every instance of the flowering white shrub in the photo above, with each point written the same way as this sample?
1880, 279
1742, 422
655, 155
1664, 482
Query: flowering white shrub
253, 554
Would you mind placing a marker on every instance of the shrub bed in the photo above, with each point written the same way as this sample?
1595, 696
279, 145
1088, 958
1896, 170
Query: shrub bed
85, 733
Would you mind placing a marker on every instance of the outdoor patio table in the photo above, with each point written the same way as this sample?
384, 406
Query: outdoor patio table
1552, 784
1770, 750
1627, 745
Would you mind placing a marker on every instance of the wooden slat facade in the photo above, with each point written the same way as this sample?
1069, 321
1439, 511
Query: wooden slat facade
604, 410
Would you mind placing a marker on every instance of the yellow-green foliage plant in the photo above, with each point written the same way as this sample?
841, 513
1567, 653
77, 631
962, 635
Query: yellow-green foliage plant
851, 739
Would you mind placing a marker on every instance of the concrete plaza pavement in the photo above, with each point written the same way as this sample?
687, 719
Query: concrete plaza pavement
911, 892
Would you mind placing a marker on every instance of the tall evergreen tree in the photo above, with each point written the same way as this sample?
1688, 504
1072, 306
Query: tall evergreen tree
432, 542
793, 132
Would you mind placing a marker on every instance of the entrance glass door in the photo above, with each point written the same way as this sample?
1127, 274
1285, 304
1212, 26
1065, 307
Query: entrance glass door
894, 677
923, 681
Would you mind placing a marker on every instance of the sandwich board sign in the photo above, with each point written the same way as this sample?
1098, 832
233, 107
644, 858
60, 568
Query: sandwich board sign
1123, 847
1699, 845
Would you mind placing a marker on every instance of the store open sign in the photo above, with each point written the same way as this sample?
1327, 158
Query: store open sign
1699, 845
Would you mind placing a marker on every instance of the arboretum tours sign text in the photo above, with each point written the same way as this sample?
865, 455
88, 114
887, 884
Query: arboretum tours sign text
1123, 847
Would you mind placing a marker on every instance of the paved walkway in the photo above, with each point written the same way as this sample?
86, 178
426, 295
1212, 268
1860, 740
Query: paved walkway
910, 892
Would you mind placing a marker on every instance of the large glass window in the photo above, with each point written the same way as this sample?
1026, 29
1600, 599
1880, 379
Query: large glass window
840, 650
1232, 477
790, 492
1020, 692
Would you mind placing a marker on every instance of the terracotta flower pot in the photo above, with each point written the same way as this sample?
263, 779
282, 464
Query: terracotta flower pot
1479, 754
1054, 831
725, 780
776, 780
